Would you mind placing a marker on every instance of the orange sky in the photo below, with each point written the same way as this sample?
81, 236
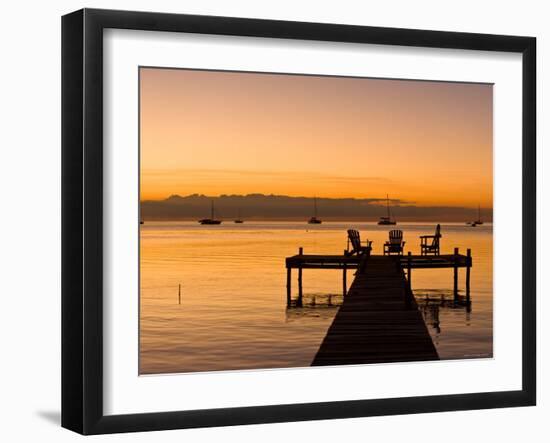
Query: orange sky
237, 133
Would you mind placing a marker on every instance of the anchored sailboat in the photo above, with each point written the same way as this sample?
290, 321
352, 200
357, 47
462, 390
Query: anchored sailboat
314, 220
477, 222
387, 219
238, 219
211, 220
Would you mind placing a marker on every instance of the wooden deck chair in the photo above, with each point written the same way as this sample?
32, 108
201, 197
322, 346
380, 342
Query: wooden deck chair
395, 244
362, 251
430, 247
354, 239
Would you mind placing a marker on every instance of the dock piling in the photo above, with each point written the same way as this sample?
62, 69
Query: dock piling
344, 278
300, 282
468, 267
344, 281
300, 287
455, 275
179, 294
409, 268
288, 285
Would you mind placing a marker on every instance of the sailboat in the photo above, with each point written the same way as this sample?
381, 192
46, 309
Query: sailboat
477, 222
314, 220
211, 220
387, 219
238, 220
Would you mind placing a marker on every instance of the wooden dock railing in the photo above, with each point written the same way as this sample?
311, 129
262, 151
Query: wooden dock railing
345, 262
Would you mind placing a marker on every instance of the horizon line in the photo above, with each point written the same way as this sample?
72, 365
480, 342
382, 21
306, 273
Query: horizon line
324, 220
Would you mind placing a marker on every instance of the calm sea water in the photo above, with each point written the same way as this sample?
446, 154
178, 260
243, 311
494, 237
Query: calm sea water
233, 312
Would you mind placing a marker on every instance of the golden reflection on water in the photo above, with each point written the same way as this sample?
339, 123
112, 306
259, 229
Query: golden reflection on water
233, 311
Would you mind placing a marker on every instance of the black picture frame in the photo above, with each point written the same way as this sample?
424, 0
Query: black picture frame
82, 215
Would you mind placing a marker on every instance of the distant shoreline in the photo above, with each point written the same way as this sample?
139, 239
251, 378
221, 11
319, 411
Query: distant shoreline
286, 208
325, 220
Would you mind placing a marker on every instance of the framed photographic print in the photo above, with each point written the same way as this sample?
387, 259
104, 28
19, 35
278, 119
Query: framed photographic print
269, 221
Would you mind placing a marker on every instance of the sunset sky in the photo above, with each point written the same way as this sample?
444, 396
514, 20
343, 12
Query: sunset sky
428, 143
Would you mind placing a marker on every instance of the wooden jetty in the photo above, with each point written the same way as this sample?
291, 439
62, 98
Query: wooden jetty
379, 320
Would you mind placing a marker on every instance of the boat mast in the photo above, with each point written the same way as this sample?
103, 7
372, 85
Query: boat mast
315, 207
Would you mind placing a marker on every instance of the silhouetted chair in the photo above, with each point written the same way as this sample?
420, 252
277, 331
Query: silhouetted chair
429, 244
354, 238
395, 244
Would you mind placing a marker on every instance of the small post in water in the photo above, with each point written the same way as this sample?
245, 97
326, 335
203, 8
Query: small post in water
179, 294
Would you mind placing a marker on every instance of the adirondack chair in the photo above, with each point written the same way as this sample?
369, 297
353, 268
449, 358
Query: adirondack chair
429, 244
354, 238
395, 244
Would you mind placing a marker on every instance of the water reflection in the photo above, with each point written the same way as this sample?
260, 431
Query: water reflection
430, 303
322, 306
434, 302
443, 313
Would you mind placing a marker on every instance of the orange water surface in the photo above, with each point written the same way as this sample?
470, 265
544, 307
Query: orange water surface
232, 313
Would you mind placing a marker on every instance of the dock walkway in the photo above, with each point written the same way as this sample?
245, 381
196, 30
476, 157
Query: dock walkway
378, 321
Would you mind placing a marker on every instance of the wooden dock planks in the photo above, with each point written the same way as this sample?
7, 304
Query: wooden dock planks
378, 321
